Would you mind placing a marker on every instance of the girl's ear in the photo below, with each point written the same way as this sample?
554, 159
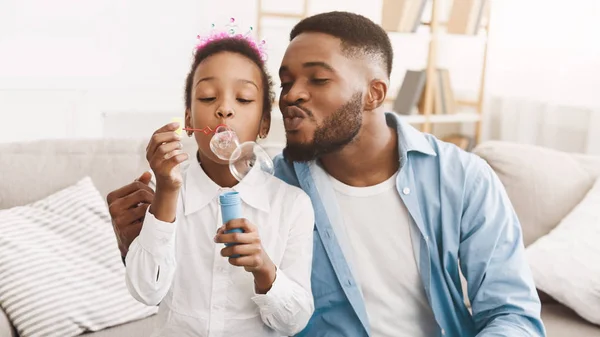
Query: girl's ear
188, 122
265, 125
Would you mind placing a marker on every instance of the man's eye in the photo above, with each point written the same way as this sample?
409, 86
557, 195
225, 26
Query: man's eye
319, 80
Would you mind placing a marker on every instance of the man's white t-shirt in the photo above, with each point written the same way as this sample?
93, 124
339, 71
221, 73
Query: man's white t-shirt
377, 228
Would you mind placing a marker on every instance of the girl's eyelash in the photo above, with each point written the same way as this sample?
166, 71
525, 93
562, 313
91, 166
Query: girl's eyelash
210, 99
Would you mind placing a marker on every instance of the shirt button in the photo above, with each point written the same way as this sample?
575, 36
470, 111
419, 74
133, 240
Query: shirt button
443, 332
349, 282
406, 190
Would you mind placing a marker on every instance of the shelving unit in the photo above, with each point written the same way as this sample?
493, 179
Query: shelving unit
468, 111
460, 117
262, 14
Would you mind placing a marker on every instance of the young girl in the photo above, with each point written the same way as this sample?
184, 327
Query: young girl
261, 285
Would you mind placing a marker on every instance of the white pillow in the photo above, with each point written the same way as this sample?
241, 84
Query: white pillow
61, 273
566, 262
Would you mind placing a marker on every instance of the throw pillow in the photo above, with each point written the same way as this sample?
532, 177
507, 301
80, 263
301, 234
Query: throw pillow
61, 273
565, 262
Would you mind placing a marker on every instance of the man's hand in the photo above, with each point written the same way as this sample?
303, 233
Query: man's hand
127, 206
251, 253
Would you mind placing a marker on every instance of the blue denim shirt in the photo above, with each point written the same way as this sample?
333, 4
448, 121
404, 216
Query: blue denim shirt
462, 218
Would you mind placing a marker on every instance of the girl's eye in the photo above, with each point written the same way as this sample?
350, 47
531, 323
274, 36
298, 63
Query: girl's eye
244, 101
206, 99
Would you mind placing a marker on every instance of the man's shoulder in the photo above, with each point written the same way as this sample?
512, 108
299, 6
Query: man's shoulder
288, 181
454, 168
451, 157
285, 171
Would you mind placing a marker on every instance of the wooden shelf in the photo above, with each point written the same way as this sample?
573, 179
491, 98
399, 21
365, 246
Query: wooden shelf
282, 15
461, 117
262, 14
443, 24
473, 104
468, 111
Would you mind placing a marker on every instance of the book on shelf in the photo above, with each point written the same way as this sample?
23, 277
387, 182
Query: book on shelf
466, 16
438, 104
412, 93
446, 93
402, 16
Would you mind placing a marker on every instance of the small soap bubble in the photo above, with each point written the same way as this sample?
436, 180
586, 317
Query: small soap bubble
224, 142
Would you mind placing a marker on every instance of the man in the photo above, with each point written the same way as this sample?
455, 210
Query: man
398, 214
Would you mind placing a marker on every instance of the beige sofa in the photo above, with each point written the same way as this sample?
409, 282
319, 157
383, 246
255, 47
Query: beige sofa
544, 186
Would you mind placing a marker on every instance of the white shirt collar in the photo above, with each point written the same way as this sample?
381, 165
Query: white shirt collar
200, 190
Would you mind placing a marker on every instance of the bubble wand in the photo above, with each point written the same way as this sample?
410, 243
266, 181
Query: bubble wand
206, 130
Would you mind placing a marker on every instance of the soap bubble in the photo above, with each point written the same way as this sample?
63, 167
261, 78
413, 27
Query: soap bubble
244, 159
224, 142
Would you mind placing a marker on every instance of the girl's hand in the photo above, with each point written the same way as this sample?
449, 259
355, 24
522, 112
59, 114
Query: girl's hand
164, 154
250, 251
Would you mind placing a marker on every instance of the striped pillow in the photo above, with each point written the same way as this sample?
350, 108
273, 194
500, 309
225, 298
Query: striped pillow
60, 270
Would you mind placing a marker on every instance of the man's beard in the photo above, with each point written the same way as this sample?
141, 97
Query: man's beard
332, 135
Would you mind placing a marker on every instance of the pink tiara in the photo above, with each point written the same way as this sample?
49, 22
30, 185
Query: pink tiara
230, 32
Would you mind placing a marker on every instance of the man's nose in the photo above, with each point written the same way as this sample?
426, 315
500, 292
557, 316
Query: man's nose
296, 94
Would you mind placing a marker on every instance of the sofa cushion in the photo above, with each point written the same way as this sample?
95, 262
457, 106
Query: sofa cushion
564, 262
543, 184
6, 328
141, 328
61, 273
39, 168
562, 321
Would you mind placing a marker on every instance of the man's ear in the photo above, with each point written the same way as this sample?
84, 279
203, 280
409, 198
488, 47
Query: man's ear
265, 125
376, 94
188, 122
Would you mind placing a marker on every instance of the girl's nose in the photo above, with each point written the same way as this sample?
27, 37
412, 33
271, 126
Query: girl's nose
225, 113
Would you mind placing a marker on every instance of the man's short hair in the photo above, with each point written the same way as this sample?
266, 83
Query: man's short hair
359, 34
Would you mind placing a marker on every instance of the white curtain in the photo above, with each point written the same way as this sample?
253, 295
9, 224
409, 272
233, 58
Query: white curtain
544, 74
561, 127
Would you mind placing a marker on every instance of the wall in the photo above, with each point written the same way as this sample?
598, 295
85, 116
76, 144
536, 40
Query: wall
544, 73
69, 65
66, 65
